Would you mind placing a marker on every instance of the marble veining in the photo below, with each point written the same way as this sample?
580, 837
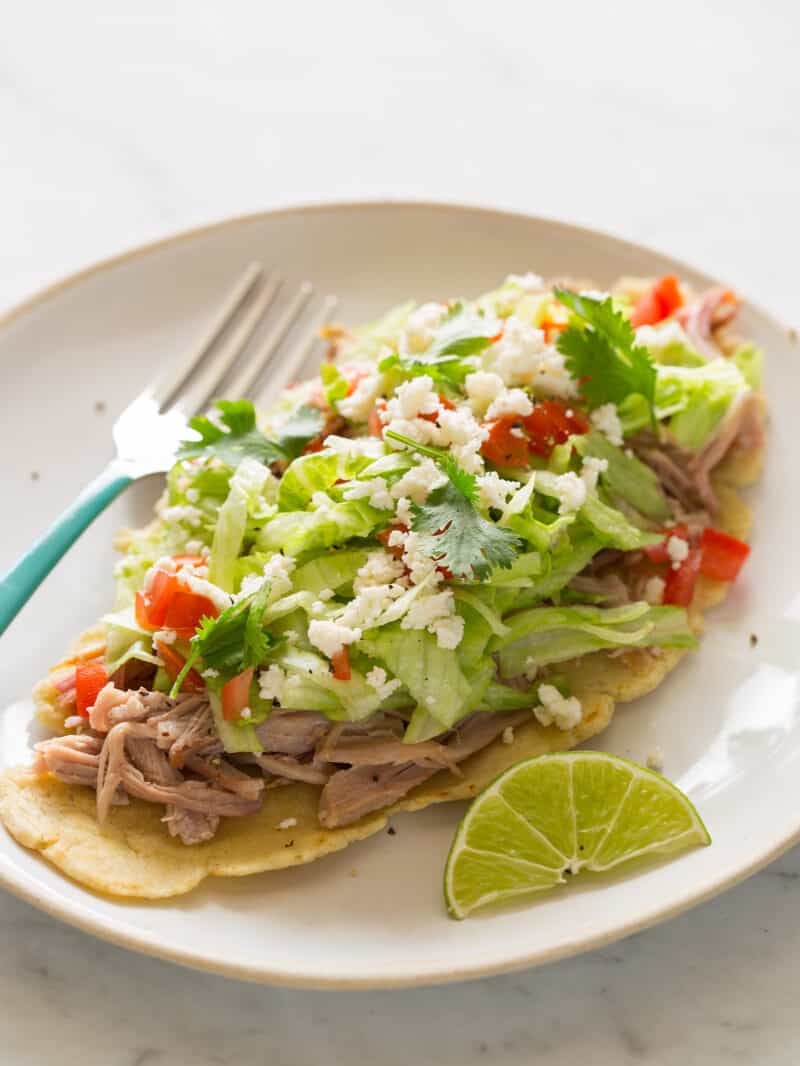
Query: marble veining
121, 122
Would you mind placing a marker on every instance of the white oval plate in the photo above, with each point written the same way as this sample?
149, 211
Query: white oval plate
726, 721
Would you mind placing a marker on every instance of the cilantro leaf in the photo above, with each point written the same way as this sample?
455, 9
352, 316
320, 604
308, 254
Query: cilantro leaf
233, 440
603, 354
232, 641
456, 535
238, 436
302, 426
459, 538
461, 335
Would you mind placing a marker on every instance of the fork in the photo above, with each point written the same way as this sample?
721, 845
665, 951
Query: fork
148, 431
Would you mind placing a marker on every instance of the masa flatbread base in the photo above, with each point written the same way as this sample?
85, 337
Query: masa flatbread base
132, 854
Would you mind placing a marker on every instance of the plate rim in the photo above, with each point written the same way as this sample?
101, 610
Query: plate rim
80, 916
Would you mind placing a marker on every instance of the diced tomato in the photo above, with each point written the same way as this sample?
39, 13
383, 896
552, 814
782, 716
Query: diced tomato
375, 423
723, 555
550, 424
174, 662
236, 694
549, 327
503, 446
340, 661
657, 553
90, 678
185, 611
658, 303
168, 604
680, 583
158, 597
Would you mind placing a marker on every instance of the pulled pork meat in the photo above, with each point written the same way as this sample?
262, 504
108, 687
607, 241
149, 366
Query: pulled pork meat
685, 476
145, 745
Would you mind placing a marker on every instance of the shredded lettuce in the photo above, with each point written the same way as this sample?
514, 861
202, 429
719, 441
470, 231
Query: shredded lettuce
245, 500
126, 640
692, 401
295, 532
626, 476
432, 675
545, 635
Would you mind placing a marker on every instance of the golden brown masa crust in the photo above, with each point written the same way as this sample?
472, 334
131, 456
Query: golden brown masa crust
133, 855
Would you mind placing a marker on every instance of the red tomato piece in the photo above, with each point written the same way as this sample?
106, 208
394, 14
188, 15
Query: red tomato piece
503, 446
156, 600
340, 661
185, 611
90, 678
680, 583
723, 555
236, 694
549, 425
657, 553
658, 303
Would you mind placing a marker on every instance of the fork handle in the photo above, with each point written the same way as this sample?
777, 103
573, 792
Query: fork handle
19, 583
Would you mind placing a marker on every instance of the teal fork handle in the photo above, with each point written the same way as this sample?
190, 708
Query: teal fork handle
26, 575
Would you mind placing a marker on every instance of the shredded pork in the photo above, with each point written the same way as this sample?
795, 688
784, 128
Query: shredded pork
144, 745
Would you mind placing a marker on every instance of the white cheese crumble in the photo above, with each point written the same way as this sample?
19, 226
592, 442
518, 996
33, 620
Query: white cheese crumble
655, 760
331, 637
412, 398
287, 823
192, 495
326, 594
366, 608
358, 406
570, 491
201, 587
277, 570
531, 669
187, 513
507, 735
606, 419
509, 403
373, 489
421, 324
165, 636
245, 713
654, 590
377, 679
591, 470
194, 546
209, 673
521, 357
494, 490
271, 683
381, 568
677, 550
561, 711
403, 512
483, 387
419, 481
657, 338
370, 447
528, 282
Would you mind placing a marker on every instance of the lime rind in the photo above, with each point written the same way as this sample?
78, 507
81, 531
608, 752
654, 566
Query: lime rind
560, 813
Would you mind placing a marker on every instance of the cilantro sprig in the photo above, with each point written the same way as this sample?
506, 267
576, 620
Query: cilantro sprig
455, 535
232, 641
602, 354
235, 435
461, 335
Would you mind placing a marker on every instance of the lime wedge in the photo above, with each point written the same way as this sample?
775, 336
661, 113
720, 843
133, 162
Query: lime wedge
558, 814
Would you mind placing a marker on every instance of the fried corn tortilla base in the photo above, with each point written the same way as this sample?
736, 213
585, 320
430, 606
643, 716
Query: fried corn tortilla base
132, 854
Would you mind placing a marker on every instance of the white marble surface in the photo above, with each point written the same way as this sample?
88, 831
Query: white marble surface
121, 122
